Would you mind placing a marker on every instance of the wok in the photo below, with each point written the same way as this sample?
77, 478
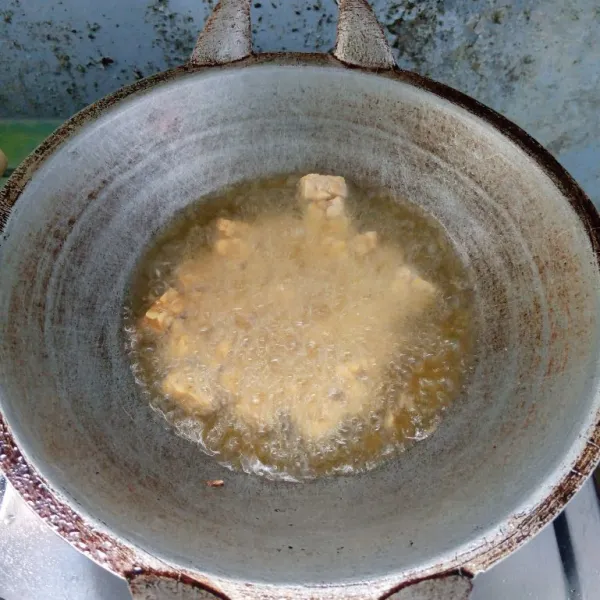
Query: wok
90, 456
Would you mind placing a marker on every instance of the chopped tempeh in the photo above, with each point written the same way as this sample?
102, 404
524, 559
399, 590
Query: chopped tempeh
315, 429
324, 213
231, 229
352, 370
335, 208
229, 239
179, 344
314, 219
390, 421
364, 243
242, 322
315, 187
335, 248
412, 287
406, 401
232, 248
186, 391
338, 227
229, 379
187, 275
255, 410
161, 314
159, 320
223, 349
320, 419
195, 275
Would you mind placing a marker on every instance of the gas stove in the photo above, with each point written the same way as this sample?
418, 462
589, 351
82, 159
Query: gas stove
561, 563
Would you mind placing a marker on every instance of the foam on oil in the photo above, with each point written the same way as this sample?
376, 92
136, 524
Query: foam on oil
294, 353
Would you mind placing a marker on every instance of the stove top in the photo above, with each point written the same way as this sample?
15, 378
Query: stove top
561, 563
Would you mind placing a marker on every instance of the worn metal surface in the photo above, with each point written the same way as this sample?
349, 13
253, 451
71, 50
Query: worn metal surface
528, 59
524, 442
443, 133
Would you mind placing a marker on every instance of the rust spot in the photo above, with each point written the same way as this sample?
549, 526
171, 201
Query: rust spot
531, 415
96, 192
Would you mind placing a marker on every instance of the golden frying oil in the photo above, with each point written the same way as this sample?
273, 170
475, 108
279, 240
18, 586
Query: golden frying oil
313, 359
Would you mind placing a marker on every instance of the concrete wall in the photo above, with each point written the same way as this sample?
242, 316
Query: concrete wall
536, 61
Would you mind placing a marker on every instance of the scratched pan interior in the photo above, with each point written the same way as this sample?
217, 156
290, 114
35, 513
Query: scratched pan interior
88, 213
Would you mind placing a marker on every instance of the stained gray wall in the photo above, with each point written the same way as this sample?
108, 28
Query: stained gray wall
536, 61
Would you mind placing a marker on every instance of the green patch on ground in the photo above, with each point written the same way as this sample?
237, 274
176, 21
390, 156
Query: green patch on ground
18, 138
